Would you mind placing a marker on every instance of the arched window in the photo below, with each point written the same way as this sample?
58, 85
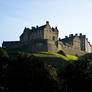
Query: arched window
53, 37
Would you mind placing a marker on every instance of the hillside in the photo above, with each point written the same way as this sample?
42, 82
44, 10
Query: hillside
66, 57
56, 55
45, 71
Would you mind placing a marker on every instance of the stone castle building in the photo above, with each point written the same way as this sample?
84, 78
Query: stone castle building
45, 39
78, 42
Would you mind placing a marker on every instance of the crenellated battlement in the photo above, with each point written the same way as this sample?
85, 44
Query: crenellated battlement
45, 38
78, 41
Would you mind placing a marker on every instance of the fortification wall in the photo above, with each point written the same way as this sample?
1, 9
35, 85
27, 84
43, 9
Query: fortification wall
52, 46
70, 50
11, 44
73, 51
40, 45
88, 46
36, 46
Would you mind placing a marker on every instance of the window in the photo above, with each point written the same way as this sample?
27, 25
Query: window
47, 36
53, 37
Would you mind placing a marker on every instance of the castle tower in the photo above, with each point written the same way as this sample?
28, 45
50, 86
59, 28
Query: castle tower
42, 32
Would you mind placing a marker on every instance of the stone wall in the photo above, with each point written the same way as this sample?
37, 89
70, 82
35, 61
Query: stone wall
88, 47
36, 46
42, 32
52, 46
50, 33
29, 34
11, 44
76, 43
45, 39
40, 46
70, 50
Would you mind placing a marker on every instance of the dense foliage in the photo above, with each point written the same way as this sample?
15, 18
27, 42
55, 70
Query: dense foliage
4, 60
28, 73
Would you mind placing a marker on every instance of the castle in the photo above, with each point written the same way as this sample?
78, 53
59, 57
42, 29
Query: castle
45, 39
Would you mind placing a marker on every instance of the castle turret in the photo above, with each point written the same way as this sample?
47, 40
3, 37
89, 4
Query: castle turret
47, 22
37, 26
76, 34
80, 34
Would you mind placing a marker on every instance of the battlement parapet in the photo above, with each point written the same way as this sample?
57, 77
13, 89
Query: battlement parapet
11, 44
45, 38
70, 35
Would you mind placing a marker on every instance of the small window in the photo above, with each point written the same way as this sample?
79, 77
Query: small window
47, 36
53, 37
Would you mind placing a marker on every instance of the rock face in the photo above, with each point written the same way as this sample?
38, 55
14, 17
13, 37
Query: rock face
45, 39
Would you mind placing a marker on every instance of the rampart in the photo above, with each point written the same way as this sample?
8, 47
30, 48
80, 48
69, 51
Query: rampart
45, 39
70, 50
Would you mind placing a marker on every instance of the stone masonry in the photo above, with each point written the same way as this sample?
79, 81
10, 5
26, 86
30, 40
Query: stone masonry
45, 39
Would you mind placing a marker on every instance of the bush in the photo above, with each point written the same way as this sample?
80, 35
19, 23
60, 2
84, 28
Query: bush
61, 52
4, 58
27, 73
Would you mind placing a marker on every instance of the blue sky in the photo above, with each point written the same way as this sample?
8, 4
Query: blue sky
70, 16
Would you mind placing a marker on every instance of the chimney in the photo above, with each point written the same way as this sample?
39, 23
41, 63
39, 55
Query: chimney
80, 34
84, 36
25, 28
47, 22
37, 26
76, 34
55, 27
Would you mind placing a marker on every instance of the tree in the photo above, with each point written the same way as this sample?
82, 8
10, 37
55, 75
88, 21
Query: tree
4, 58
27, 73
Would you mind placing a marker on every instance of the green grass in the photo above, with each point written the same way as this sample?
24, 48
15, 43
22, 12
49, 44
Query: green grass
43, 54
71, 57
55, 55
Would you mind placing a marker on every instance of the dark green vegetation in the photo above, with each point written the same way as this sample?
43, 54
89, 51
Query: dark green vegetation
45, 72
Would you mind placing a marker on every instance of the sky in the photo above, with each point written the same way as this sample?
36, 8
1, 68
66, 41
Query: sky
70, 16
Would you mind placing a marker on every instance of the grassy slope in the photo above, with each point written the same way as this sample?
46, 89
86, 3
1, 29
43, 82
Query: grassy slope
56, 55
44, 54
58, 61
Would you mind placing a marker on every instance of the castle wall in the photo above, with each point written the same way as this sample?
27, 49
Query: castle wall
29, 34
82, 39
87, 46
52, 46
50, 34
70, 50
11, 44
37, 35
55, 36
76, 42
45, 39
25, 36
60, 45
35, 46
